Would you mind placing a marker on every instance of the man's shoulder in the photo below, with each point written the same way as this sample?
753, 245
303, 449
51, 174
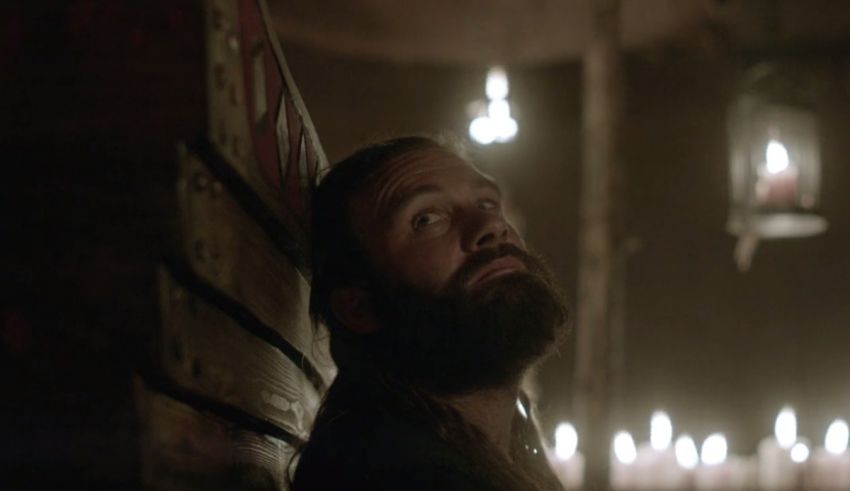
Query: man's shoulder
361, 450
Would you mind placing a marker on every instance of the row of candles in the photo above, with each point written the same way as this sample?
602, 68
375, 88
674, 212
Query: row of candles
784, 461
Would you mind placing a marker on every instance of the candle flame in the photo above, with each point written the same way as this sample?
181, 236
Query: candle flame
776, 156
660, 431
566, 441
497, 83
785, 428
714, 450
836, 437
800, 452
686, 452
499, 109
482, 130
624, 447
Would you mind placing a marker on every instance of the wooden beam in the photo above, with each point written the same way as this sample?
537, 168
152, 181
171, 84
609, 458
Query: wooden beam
601, 121
185, 449
207, 353
256, 118
229, 250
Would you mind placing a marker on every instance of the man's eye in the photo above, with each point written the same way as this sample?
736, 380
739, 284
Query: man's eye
488, 204
424, 219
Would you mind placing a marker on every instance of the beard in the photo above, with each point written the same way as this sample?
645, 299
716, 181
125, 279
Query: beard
459, 341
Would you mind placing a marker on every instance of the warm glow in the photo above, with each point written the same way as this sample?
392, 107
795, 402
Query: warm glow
497, 83
800, 453
624, 447
566, 441
482, 130
686, 452
660, 430
836, 437
776, 156
785, 428
714, 450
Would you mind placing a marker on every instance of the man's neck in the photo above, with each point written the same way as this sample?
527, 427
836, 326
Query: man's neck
491, 411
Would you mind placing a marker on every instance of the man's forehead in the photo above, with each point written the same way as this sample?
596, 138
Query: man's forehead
417, 167
422, 168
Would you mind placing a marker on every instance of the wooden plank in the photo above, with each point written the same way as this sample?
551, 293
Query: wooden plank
229, 250
209, 354
598, 213
257, 120
183, 448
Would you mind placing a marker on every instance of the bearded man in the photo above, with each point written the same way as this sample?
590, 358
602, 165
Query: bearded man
435, 311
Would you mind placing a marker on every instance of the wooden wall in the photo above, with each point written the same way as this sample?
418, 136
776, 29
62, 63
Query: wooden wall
237, 368
155, 331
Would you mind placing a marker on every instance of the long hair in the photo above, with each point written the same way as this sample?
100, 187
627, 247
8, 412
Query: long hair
339, 259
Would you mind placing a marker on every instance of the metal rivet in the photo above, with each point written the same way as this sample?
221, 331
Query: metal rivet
233, 42
200, 181
219, 19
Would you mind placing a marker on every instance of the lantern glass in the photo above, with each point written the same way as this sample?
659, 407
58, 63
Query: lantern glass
774, 166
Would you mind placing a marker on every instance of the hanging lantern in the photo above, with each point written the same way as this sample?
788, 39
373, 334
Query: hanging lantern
774, 161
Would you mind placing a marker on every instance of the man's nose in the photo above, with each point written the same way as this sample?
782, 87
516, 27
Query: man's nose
485, 229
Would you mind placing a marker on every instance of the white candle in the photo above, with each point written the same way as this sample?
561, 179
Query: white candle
664, 472
777, 178
776, 470
829, 466
623, 457
687, 459
713, 473
566, 460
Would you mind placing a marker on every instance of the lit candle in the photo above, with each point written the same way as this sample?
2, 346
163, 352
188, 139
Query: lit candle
662, 471
687, 458
800, 456
776, 470
713, 474
566, 460
830, 465
623, 457
777, 178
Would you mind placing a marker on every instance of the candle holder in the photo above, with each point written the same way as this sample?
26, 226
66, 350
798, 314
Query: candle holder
774, 159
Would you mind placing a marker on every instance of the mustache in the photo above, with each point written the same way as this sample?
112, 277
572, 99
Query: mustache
486, 255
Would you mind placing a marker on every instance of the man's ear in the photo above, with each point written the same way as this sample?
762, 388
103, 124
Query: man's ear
352, 307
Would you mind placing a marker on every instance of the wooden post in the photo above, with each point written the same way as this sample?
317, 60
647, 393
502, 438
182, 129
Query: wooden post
602, 108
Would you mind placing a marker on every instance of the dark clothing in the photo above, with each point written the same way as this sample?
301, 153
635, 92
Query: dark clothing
363, 451
377, 446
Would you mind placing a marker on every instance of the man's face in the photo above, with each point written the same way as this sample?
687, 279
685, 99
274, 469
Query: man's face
425, 214
460, 303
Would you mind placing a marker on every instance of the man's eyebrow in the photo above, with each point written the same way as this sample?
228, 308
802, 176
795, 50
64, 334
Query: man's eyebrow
400, 201
488, 184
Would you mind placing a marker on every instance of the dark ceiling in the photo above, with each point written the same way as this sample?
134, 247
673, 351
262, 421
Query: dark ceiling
533, 31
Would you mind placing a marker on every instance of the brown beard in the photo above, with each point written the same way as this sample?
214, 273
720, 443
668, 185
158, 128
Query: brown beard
457, 341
